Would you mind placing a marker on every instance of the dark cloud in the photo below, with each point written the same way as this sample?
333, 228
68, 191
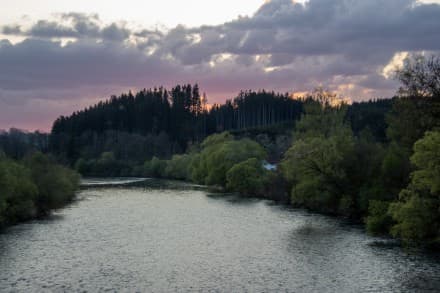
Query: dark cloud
11, 30
36, 63
72, 25
51, 29
340, 44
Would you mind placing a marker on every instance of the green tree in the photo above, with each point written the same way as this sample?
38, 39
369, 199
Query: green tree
378, 221
319, 165
317, 169
219, 154
17, 193
426, 158
56, 184
155, 168
179, 167
247, 177
417, 213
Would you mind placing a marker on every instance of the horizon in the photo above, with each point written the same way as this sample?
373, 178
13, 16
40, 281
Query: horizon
58, 57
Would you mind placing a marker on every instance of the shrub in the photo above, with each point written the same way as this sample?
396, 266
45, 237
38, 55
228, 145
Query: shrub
179, 167
216, 159
378, 221
56, 184
155, 168
247, 177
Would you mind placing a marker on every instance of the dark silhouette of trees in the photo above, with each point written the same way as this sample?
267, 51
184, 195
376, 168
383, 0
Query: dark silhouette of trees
160, 122
17, 143
370, 115
252, 109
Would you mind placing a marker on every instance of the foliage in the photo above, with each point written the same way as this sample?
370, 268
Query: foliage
155, 168
318, 163
316, 167
33, 187
179, 167
410, 118
105, 165
247, 177
378, 221
365, 172
395, 169
416, 218
216, 139
160, 122
219, 154
56, 184
252, 109
417, 212
17, 193
17, 143
371, 116
427, 160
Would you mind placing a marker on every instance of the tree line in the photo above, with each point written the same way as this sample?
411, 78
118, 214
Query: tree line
160, 122
17, 143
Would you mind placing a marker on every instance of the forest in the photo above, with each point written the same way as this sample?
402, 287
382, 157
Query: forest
375, 162
160, 122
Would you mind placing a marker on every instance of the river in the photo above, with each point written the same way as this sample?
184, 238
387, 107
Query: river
159, 236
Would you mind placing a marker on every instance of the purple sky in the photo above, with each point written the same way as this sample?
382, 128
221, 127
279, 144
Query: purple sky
54, 65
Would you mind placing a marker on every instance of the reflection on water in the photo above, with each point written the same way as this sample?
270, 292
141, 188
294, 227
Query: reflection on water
168, 236
94, 182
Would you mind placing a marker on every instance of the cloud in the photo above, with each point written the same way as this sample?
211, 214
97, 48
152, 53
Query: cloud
345, 45
72, 25
11, 30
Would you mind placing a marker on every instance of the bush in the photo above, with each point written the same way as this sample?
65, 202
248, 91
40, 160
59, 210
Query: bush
179, 167
155, 168
219, 154
318, 170
247, 177
417, 211
378, 221
56, 184
17, 193
106, 165
33, 187
416, 217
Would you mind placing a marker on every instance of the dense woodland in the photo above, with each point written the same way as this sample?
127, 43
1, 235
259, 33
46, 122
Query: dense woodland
16, 143
160, 122
376, 162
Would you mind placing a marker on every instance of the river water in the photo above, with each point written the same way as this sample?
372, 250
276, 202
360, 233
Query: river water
162, 237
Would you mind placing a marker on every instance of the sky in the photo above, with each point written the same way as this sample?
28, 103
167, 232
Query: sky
59, 56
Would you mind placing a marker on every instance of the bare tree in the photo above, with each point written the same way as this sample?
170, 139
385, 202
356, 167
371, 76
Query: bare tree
420, 76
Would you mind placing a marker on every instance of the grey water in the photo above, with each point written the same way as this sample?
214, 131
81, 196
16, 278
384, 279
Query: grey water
170, 237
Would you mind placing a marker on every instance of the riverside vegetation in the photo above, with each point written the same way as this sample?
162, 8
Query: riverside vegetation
32, 187
377, 162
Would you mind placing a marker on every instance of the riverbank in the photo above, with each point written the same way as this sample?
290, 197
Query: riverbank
33, 187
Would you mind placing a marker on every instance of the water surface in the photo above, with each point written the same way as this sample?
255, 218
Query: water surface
168, 237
